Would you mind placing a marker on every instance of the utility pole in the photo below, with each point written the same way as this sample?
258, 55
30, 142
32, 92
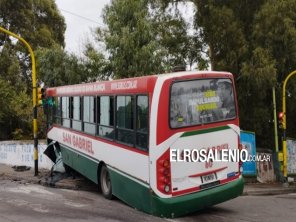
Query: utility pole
275, 122
35, 129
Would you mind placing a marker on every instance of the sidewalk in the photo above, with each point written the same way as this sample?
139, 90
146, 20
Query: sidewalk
44, 178
260, 189
80, 183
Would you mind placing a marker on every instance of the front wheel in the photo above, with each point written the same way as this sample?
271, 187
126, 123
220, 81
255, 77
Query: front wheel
105, 183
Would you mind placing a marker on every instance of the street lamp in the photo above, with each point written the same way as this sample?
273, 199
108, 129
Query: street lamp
35, 130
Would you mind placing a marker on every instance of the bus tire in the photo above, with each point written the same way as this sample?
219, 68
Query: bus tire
105, 183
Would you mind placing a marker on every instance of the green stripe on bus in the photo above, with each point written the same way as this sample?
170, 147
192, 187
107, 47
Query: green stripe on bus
182, 205
131, 192
80, 163
197, 132
142, 198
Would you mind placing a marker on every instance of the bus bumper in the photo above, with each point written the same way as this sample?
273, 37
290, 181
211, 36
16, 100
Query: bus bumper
178, 206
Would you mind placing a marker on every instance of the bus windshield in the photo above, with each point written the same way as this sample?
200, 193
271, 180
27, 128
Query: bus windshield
201, 101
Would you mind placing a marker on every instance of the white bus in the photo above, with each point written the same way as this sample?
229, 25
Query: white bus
119, 135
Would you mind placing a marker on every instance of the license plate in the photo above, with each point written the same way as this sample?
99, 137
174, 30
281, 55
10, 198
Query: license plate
208, 178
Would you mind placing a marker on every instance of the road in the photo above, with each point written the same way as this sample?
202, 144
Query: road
29, 203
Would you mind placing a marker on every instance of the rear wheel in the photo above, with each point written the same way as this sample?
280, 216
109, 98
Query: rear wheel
105, 183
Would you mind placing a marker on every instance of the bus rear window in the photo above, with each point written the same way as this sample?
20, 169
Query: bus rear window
201, 101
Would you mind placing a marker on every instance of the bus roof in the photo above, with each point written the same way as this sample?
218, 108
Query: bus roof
143, 84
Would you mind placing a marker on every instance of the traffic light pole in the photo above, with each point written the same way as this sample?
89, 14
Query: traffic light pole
285, 172
35, 129
275, 122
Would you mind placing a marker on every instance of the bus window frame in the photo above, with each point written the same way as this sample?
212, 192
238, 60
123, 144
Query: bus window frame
132, 145
57, 107
146, 149
201, 124
68, 118
79, 121
94, 97
98, 118
97, 124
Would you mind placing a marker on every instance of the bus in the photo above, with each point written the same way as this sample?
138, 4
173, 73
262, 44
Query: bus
120, 134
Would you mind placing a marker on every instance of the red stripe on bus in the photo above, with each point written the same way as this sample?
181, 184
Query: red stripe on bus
135, 85
135, 150
208, 172
190, 190
195, 189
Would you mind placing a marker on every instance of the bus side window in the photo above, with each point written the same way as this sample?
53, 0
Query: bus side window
65, 112
105, 117
76, 114
57, 110
89, 105
142, 122
50, 109
125, 119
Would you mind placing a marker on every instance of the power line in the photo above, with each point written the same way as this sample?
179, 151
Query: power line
82, 17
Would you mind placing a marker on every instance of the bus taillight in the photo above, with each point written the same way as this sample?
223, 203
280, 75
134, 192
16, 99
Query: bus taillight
164, 173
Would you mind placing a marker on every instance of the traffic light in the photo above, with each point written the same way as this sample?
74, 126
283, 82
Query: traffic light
281, 119
40, 96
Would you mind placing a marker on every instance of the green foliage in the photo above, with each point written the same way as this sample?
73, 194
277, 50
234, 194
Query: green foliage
10, 68
257, 79
223, 33
38, 22
22, 115
55, 67
95, 65
41, 25
144, 38
15, 112
130, 39
256, 41
275, 30
260, 70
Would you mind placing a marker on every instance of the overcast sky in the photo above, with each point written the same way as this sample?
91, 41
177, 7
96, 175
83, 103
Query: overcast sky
83, 15
80, 17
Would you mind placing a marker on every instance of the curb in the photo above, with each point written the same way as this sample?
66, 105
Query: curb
269, 192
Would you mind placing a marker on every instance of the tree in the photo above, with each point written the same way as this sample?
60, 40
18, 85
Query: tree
255, 40
55, 67
142, 38
38, 21
171, 34
275, 30
15, 112
10, 68
130, 39
229, 32
260, 51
